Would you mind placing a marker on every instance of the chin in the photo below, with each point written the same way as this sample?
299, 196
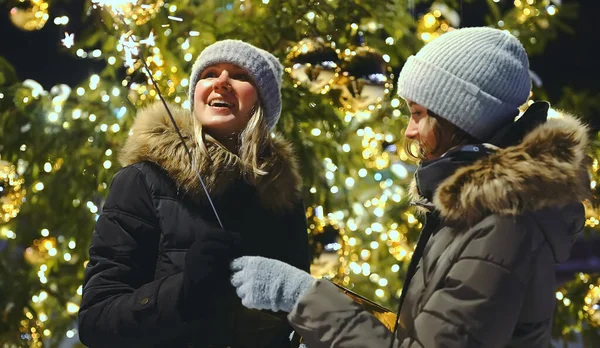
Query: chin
217, 120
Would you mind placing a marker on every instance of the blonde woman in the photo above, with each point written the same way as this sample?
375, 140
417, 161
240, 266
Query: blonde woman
158, 273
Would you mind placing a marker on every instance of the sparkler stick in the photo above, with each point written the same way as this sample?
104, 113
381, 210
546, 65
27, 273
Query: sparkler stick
131, 48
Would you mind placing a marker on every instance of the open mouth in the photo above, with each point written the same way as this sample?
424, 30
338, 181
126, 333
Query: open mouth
219, 103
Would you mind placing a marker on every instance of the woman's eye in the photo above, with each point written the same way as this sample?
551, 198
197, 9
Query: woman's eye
241, 77
209, 75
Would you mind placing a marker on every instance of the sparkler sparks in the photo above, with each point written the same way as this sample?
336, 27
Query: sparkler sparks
114, 3
130, 46
149, 41
69, 40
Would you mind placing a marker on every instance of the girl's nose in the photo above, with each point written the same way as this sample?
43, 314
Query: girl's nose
222, 81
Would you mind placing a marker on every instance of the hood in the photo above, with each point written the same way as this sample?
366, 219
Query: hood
546, 174
153, 138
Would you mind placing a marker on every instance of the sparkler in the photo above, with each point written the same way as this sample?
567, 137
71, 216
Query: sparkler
132, 50
114, 4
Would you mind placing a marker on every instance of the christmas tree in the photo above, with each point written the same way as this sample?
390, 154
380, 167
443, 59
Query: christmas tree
59, 146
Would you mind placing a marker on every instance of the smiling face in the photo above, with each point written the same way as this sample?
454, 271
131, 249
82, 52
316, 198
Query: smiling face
224, 100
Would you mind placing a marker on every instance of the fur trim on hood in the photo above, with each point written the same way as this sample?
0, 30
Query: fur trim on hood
547, 169
153, 138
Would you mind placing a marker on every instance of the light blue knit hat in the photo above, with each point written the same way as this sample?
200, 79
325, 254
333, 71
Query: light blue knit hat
476, 78
265, 69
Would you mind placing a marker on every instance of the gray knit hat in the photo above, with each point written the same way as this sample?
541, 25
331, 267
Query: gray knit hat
265, 69
476, 78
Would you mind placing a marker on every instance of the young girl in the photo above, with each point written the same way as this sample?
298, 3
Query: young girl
502, 200
158, 273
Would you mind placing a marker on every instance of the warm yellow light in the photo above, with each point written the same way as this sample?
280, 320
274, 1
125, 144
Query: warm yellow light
429, 20
72, 307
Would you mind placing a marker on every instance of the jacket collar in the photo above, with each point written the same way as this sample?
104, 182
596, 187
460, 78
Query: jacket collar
153, 138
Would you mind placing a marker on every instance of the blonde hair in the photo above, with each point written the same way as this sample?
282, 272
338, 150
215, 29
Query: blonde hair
253, 145
440, 128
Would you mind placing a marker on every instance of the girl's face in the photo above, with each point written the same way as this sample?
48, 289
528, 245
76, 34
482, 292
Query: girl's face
224, 100
420, 130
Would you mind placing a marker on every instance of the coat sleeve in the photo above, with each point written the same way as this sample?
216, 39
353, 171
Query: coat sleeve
478, 306
481, 299
122, 304
325, 317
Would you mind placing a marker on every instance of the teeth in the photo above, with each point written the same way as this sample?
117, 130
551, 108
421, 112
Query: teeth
220, 103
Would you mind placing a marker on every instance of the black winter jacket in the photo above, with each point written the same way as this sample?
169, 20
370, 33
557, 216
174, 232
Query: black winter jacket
132, 294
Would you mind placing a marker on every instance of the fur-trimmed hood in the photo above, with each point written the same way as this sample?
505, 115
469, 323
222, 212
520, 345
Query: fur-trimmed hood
548, 168
153, 138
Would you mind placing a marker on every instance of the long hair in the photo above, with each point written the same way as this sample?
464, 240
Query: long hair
440, 128
253, 145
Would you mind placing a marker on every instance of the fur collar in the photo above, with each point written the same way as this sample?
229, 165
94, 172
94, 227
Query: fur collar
153, 138
548, 168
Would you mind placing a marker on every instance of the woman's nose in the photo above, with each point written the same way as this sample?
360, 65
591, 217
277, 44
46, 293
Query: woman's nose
222, 81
